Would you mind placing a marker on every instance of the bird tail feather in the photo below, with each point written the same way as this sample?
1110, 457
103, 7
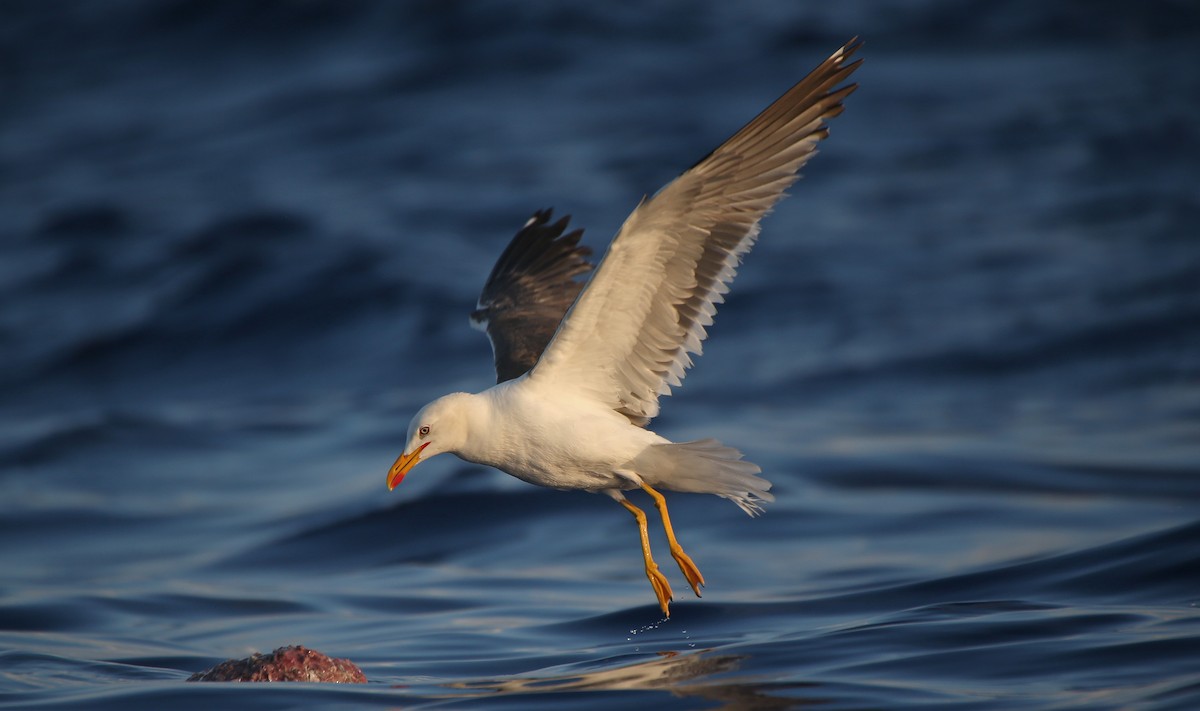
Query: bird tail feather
705, 467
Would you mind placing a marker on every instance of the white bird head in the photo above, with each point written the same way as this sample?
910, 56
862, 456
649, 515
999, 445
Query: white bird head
440, 426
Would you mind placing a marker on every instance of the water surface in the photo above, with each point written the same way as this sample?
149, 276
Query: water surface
239, 249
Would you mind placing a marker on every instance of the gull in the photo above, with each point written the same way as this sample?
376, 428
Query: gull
580, 366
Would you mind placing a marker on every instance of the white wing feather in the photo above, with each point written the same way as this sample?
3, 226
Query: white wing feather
629, 336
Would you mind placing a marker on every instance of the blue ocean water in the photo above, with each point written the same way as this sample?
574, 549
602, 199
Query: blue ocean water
241, 240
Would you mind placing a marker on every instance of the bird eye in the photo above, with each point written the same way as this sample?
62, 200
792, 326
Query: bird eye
424, 431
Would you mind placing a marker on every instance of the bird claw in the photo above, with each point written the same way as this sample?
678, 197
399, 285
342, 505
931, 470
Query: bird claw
690, 571
662, 589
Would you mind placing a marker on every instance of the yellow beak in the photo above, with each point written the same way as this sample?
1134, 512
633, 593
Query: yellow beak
403, 463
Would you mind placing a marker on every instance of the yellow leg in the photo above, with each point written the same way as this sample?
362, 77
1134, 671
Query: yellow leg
690, 571
658, 581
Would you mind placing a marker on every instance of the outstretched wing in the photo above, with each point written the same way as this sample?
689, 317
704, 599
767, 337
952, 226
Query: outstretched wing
530, 288
628, 337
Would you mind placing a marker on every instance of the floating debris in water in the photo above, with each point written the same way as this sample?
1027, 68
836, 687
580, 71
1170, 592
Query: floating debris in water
294, 663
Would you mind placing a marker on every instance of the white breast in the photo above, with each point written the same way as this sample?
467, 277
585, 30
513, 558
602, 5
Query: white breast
556, 439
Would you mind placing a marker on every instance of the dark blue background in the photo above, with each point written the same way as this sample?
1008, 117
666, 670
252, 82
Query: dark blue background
240, 242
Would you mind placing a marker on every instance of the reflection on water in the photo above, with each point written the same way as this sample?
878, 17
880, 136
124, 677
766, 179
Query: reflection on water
683, 674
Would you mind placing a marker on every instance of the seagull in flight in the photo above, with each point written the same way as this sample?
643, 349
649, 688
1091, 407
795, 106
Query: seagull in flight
580, 366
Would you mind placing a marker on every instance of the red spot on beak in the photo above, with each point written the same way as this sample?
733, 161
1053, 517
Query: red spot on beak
403, 464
